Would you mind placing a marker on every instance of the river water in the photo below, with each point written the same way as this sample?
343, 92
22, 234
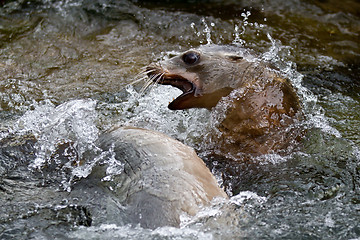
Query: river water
67, 69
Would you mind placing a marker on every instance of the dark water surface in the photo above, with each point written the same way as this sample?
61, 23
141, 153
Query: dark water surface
65, 70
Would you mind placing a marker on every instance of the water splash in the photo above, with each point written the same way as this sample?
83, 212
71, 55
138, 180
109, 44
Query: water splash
205, 32
315, 114
70, 123
113, 231
247, 196
238, 40
150, 111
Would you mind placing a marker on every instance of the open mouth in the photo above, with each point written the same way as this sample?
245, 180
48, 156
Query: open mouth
186, 86
192, 96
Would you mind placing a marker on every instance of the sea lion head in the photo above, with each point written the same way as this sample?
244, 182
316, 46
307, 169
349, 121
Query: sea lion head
205, 74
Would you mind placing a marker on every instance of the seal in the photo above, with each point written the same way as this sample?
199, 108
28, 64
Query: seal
257, 100
133, 176
162, 177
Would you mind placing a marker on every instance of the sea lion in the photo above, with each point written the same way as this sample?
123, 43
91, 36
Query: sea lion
155, 180
162, 177
258, 102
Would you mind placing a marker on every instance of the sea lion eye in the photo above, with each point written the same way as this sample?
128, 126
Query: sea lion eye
191, 57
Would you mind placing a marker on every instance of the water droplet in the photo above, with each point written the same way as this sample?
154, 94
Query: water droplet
207, 31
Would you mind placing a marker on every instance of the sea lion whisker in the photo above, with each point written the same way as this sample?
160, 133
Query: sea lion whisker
144, 71
146, 85
144, 67
154, 74
147, 71
141, 76
149, 82
137, 80
155, 78
158, 78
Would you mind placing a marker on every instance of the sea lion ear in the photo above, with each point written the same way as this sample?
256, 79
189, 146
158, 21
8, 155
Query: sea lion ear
235, 57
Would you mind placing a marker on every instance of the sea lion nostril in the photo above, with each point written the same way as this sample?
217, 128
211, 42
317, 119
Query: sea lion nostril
191, 57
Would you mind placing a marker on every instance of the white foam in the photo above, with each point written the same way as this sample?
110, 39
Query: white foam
151, 112
244, 196
113, 231
71, 121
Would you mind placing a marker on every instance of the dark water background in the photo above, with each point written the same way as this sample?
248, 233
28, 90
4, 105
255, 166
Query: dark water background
64, 71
